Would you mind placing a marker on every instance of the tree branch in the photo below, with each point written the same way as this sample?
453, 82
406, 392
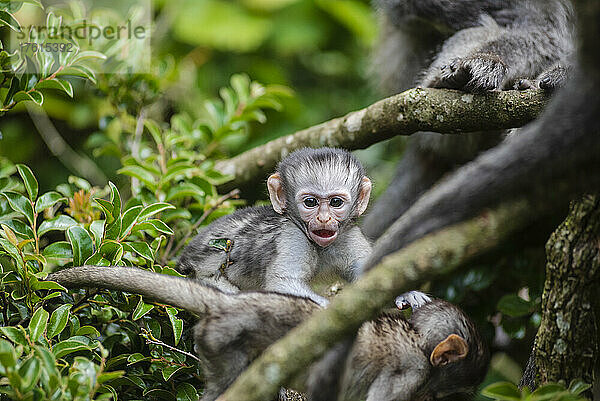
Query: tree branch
567, 340
78, 163
545, 159
420, 109
432, 256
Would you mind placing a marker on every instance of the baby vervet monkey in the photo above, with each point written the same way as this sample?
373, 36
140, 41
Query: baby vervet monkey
435, 353
316, 196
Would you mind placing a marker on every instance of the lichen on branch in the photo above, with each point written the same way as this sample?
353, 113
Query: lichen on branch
419, 109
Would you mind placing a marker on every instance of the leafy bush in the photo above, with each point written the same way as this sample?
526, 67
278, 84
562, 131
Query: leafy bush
88, 344
504, 391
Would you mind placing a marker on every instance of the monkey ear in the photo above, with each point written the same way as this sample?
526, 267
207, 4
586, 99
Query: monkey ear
364, 195
276, 193
452, 349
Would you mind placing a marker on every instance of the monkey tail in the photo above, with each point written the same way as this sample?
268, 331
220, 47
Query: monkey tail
176, 291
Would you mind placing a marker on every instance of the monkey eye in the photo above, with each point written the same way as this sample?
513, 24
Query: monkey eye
310, 202
336, 202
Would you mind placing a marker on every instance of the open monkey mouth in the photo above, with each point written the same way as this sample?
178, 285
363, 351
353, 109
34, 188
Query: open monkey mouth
324, 233
323, 237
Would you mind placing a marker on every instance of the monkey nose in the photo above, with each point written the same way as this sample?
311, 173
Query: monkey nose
323, 219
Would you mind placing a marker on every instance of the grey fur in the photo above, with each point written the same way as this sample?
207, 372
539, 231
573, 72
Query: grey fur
472, 45
272, 251
403, 348
480, 44
388, 361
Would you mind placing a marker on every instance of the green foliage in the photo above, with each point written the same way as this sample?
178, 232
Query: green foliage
80, 345
505, 391
29, 69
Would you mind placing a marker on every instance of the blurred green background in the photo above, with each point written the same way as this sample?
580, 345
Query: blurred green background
318, 48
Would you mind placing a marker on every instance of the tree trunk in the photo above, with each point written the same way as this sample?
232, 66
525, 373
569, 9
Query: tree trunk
567, 340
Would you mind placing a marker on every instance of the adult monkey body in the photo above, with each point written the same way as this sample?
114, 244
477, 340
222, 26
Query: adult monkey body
470, 45
316, 196
436, 353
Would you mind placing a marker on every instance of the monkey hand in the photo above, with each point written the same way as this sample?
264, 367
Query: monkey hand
413, 299
476, 73
551, 79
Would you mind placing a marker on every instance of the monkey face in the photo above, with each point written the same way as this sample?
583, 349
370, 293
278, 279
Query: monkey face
323, 214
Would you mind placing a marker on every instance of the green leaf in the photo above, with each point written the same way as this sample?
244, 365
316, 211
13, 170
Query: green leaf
108, 376
81, 71
20, 228
115, 199
19, 204
547, 391
141, 174
135, 358
69, 346
184, 190
153, 209
88, 331
514, 306
37, 324
55, 83
8, 357
178, 170
154, 130
58, 250
217, 178
169, 371
7, 19
113, 230
176, 324
47, 200
15, 334
30, 372
59, 223
504, 391
107, 208
129, 220
81, 244
187, 392
578, 386
9, 234
32, 95
31, 184
141, 309
58, 320
11, 250
140, 248
153, 224
110, 249
88, 54
46, 285
97, 229
97, 260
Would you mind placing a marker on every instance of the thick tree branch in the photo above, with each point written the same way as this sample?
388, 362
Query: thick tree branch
432, 256
420, 109
567, 341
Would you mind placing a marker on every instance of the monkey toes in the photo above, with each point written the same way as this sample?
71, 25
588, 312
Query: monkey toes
413, 299
476, 73
549, 80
